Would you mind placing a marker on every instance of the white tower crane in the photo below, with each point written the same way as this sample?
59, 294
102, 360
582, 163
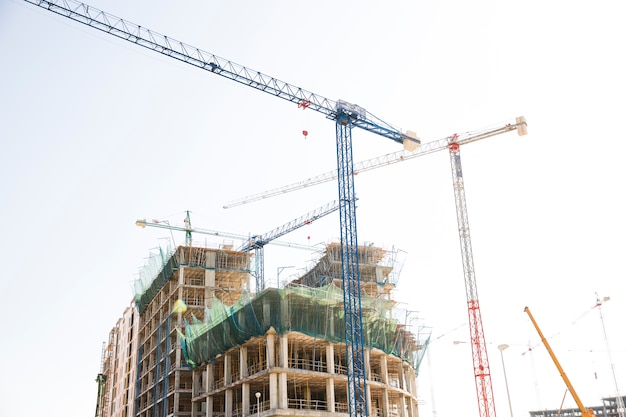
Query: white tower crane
388, 159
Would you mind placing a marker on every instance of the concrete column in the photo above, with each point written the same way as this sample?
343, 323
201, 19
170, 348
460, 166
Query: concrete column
368, 377
243, 362
283, 362
210, 259
228, 400
274, 394
410, 379
209, 283
209, 406
282, 391
210, 377
330, 394
271, 363
228, 377
412, 388
402, 406
405, 378
410, 408
271, 348
283, 357
330, 359
384, 372
384, 406
206, 384
176, 393
307, 396
196, 387
245, 399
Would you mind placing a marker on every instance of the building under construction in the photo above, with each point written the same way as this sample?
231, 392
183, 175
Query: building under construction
116, 382
225, 352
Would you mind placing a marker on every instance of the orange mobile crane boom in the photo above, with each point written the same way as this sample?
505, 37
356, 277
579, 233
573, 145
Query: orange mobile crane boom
586, 412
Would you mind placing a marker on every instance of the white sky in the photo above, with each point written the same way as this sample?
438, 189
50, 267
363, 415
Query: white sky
97, 132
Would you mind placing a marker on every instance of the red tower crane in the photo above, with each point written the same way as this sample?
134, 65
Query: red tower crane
482, 371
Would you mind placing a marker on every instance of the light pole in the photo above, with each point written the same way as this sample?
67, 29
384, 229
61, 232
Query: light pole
506, 382
278, 271
258, 409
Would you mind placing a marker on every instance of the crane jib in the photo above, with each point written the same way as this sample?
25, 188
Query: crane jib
173, 48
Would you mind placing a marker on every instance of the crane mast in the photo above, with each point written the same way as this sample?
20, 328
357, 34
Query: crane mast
350, 270
482, 372
346, 115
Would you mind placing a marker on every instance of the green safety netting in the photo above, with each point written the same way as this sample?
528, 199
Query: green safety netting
159, 269
316, 312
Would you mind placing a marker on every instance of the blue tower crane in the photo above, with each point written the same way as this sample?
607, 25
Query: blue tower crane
258, 242
346, 116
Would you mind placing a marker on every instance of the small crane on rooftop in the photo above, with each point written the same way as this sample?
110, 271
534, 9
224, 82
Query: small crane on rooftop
254, 243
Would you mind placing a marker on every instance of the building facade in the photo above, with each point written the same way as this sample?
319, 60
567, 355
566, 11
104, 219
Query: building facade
119, 363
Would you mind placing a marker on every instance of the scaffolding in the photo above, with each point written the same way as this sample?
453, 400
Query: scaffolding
379, 269
163, 265
315, 312
199, 278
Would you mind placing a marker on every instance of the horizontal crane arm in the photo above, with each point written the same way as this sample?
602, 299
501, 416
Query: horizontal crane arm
143, 223
113, 25
387, 159
260, 241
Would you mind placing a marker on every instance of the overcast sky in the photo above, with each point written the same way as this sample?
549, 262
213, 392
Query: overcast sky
97, 132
